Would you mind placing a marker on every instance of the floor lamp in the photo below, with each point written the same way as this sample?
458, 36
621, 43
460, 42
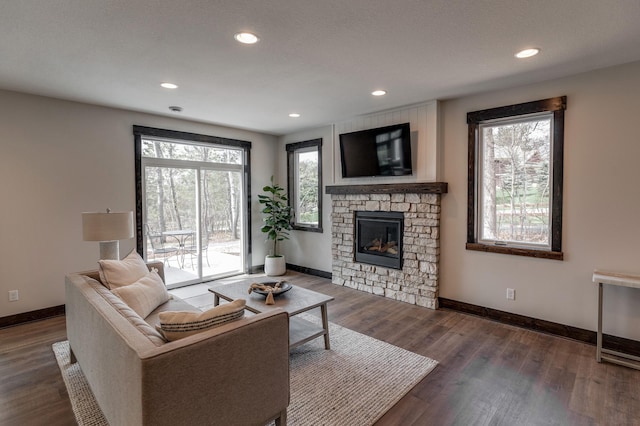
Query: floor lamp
108, 228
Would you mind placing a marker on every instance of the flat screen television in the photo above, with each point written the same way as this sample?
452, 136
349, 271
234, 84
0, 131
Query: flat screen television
384, 151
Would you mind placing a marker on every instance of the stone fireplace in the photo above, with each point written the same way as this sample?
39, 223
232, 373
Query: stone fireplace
407, 270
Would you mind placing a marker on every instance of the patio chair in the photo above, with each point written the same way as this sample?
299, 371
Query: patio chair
158, 249
192, 249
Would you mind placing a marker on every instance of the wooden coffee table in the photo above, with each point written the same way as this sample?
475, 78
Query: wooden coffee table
294, 301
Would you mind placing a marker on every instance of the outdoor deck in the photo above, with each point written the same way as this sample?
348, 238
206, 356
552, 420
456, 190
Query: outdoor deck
219, 259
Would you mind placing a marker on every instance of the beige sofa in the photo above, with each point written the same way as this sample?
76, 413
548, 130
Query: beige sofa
235, 374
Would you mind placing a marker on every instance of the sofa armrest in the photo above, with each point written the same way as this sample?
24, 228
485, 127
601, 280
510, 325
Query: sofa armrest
107, 347
234, 374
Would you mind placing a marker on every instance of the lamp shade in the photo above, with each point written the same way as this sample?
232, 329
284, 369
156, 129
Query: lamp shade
110, 226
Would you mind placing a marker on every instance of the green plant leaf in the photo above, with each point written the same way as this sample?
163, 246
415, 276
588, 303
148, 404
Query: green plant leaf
277, 213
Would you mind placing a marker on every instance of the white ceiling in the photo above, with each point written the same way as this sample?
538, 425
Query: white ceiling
321, 58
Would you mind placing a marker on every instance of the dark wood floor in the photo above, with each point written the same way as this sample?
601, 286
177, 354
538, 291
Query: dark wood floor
489, 373
31, 388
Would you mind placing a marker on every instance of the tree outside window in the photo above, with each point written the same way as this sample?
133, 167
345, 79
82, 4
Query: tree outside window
170, 196
515, 179
515, 158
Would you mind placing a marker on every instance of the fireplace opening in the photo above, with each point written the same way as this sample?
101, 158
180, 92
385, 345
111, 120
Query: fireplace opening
379, 238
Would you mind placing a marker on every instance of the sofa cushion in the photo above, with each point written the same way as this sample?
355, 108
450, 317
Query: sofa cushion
118, 273
145, 295
175, 325
173, 304
134, 319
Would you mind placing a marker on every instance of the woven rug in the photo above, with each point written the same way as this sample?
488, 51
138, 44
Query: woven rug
354, 383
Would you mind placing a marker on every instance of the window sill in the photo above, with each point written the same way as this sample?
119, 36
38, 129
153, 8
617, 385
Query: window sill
306, 228
541, 254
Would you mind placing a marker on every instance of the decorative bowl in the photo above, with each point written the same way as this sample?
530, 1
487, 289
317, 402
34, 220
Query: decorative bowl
284, 287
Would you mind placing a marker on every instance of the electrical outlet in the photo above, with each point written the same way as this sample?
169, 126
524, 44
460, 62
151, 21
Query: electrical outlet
511, 294
13, 296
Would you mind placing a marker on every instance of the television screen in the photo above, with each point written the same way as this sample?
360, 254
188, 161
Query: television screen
384, 151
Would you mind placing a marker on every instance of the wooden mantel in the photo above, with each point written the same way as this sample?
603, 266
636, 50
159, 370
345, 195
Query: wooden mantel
391, 188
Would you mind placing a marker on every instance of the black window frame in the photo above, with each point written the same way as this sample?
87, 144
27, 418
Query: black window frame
291, 149
141, 131
555, 105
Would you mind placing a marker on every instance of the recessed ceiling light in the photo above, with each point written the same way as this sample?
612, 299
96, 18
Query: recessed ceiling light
379, 92
169, 85
294, 115
246, 38
527, 53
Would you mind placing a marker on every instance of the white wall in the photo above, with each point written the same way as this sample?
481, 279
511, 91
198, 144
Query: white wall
60, 158
601, 228
426, 150
311, 249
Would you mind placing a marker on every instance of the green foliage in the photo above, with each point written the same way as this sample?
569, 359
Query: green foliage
308, 188
277, 214
309, 217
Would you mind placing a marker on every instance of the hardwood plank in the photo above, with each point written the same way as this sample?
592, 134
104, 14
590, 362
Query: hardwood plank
624, 391
591, 379
475, 394
31, 390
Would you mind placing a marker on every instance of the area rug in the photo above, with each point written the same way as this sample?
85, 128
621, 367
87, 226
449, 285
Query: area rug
354, 383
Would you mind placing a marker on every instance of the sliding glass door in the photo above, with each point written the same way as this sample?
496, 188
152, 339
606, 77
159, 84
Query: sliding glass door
222, 219
193, 209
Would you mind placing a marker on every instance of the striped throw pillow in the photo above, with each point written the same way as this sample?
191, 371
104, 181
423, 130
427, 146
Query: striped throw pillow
178, 324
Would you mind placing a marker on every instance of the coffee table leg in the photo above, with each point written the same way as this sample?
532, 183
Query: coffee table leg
216, 300
325, 325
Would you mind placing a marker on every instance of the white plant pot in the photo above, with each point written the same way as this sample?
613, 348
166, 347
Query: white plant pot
274, 266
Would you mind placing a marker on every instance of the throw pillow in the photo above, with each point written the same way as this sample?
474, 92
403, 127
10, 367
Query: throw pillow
178, 324
144, 295
118, 273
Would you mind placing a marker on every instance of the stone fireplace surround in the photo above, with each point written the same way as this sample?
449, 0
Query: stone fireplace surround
417, 282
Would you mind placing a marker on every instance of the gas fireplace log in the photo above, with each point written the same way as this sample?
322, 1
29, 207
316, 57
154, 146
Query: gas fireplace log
387, 246
378, 245
375, 245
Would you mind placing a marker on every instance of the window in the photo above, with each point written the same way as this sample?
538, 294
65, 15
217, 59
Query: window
515, 179
192, 204
304, 175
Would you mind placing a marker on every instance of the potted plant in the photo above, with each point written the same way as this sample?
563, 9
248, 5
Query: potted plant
277, 223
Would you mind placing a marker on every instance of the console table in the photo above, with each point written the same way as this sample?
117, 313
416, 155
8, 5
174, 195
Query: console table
622, 280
